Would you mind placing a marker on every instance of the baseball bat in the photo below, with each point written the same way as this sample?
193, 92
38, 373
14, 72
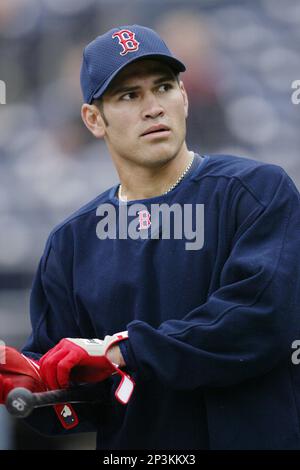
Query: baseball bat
21, 402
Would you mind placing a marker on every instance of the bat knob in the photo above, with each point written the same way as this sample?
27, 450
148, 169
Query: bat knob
19, 402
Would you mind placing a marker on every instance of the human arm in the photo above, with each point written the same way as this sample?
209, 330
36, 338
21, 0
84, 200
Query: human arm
52, 315
247, 324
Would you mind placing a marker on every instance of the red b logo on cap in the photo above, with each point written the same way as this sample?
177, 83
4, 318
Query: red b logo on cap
127, 41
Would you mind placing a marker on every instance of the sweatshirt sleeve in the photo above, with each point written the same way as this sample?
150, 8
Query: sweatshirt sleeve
247, 325
52, 318
51, 308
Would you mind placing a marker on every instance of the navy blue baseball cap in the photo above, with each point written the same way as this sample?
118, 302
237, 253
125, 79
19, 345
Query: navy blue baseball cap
107, 55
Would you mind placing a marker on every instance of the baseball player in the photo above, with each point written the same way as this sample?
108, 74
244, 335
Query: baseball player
186, 320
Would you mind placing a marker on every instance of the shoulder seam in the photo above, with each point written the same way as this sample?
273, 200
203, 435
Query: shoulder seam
240, 182
71, 219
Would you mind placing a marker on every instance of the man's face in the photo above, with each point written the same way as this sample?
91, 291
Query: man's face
145, 109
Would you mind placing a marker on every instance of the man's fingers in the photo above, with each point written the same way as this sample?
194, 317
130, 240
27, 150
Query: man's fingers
46, 356
64, 368
48, 367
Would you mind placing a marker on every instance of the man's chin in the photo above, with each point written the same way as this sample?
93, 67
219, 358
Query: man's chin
158, 157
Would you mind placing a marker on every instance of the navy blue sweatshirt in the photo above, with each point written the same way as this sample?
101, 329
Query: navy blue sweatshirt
210, 329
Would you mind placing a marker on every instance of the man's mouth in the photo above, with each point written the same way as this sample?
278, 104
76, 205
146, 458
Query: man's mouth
159, 129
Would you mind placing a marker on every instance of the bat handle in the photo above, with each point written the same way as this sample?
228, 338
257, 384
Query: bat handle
20, 401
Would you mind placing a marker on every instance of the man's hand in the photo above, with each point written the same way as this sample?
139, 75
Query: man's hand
77, 360
18, 371
21, 371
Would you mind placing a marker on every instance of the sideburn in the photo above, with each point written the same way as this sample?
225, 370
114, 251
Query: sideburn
100, 106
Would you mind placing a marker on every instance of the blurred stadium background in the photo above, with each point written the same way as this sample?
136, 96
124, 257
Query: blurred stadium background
242, 57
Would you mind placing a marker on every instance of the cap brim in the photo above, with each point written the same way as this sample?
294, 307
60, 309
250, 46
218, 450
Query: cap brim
175, 64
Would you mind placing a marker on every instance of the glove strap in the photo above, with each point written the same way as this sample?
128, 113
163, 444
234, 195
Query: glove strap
66, 415
125, 388
127, 384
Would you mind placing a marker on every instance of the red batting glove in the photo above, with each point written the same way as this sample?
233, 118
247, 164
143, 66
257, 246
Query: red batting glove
18, 370
6, 385
84, 360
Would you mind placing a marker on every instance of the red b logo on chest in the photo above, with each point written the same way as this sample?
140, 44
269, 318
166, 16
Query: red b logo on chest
144, 220
127, 41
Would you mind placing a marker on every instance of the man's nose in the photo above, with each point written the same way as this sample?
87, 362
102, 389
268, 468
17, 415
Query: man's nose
152, 108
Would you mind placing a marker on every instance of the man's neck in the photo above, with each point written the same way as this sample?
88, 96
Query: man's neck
144, 183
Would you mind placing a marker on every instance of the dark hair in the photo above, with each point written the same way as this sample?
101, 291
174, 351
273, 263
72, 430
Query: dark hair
99, 104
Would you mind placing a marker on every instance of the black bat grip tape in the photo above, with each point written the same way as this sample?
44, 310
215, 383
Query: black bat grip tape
20, 401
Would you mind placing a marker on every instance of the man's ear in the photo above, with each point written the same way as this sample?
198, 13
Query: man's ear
185, 98
93, 120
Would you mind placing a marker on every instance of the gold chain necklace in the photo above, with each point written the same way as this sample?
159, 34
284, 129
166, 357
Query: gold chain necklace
171, 187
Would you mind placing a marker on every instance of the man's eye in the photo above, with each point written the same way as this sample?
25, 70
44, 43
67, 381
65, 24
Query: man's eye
165, 87
129, 96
